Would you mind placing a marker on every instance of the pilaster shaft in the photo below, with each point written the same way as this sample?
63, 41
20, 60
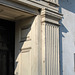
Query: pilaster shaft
50, 42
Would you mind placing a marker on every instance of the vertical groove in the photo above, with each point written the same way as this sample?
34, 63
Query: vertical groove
46, 48
57, 53
56, 50
52, 50
49, 49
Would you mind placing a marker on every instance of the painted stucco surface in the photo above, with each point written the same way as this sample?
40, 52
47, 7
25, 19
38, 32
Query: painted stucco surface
67, 37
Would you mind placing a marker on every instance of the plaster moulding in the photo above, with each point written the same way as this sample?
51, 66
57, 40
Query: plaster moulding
50, 16
38, 4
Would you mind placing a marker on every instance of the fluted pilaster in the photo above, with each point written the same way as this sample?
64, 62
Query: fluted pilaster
50, 42
52, 49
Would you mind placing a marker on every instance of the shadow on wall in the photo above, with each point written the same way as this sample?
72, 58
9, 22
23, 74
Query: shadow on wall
68, 5
20, 49
61, 29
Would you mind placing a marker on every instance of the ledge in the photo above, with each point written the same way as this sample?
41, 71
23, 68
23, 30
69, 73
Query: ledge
51, 13
50, 16
36, 4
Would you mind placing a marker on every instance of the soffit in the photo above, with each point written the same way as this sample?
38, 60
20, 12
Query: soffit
12, 14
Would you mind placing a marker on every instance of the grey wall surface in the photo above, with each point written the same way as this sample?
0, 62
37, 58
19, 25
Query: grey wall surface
67, 37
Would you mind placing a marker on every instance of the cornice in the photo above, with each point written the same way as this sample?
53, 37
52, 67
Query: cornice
48, 12
46, 2
36, 4
50, 16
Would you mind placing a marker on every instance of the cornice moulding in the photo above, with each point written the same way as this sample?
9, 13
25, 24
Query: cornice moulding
51, 21
50, 16
36, 4
48, 12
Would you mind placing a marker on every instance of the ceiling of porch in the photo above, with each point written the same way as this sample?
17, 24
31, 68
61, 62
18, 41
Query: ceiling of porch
12, 14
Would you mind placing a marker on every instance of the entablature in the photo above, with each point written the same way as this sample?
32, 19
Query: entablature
49, 12
38, 4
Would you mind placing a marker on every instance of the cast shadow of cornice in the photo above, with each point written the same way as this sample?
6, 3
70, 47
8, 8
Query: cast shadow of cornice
67, 5
62, 29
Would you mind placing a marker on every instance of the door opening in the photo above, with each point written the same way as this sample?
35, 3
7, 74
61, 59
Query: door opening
7, 47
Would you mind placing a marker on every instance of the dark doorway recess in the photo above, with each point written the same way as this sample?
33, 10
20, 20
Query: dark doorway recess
7, 47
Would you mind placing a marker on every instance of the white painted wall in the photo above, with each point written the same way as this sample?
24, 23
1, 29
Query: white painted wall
67, 37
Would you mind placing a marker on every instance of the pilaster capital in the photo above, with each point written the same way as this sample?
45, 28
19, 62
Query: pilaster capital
50, 16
